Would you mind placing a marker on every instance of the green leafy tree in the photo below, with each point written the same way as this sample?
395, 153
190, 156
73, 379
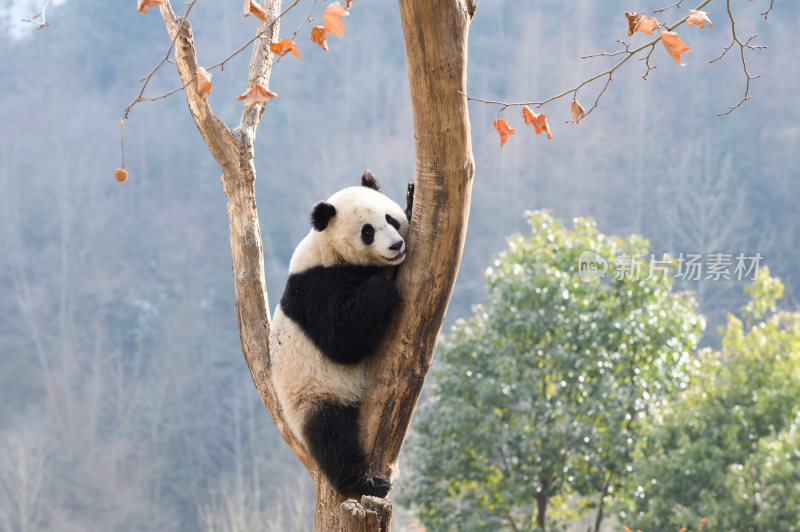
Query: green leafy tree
728, 449
539, 396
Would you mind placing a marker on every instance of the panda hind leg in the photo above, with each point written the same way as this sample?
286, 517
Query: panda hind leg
331, 434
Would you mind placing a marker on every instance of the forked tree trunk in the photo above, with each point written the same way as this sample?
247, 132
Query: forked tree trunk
435, 35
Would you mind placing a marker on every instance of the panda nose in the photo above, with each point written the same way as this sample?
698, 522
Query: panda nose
397, 246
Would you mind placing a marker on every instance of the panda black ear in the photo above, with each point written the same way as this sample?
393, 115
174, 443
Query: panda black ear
368, 180
321, 214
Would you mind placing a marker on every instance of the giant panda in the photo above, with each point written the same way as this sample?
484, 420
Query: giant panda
335, 309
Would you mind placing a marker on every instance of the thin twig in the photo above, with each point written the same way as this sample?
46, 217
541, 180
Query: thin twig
742, 45
574, 90
122, 139
258, 35
147, 78
592, 108
676, 5
44, 22
611, 54
300, 27
646, 60
220, 64
765, 14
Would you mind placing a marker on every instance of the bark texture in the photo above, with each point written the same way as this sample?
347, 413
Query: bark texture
371, 515
435, 34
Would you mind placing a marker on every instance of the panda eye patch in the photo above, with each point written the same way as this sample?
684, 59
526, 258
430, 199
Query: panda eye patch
367, 234
394, 223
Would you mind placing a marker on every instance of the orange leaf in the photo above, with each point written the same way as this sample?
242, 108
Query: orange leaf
253, 8
283, 47
256, 94
502, 128
682, 529
703, 520
633, 19
120, 174
318, 36
577, 110
539, 122
142, 5
647, 24
203, 81
332, 19
674, 46
639, 22
698, 18
626, 529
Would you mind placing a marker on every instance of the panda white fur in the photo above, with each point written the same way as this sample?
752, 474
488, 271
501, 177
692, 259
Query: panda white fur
334, 311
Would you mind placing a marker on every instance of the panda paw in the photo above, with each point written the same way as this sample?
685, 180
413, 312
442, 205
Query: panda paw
382, 291
375, 485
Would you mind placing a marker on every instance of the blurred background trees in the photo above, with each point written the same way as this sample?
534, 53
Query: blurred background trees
126, 403
727, 449
540, 397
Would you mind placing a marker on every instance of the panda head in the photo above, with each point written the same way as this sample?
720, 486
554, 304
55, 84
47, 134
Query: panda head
362, 226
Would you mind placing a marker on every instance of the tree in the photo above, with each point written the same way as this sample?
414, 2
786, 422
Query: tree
726, 448
436, 64
443, 177
584, 187
551, 381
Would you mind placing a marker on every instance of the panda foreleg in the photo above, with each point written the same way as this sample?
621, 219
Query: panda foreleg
331, 434
361, 319
371, 304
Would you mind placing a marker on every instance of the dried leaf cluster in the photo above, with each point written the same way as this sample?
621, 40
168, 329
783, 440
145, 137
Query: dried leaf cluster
637, 22
332, 24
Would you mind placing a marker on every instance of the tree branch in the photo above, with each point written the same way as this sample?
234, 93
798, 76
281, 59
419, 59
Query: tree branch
145, 80
648, 66
742, 46
611, 54
214, 132
765, 14
233, 150
628, 53
263, 29
260, 64
41, 24
676, 5
300, 27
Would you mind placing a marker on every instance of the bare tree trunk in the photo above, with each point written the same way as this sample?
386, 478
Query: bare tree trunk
435, 36
541, 504
371, 515
435, 33
541, 509
601, 505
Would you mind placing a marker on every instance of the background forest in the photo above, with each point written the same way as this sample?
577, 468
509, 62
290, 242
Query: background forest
126, 404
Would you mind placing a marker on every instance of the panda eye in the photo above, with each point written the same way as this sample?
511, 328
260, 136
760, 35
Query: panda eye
367, 234
394, 223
